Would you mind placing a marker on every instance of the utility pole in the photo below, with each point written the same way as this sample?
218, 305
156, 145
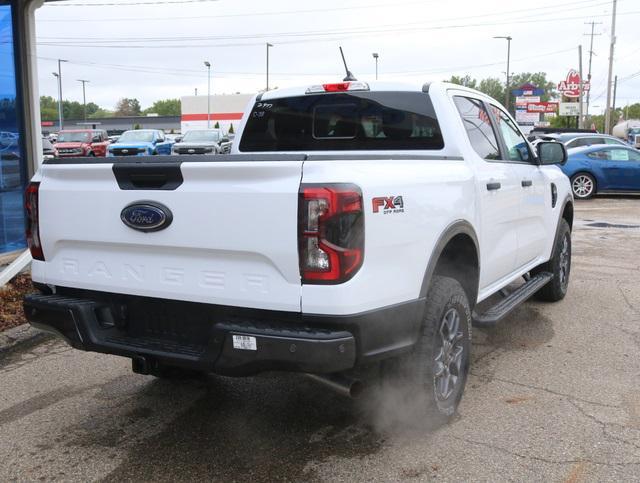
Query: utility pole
84, 98
580, 113
196, 91
268, 45
607, 113
506, 94
592, 34
615, 90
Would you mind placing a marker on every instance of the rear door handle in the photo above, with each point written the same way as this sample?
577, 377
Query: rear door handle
493, 186
526, 183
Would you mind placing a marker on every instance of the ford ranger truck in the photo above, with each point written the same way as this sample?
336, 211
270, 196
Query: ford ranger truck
141, 142
353, 226
79, 143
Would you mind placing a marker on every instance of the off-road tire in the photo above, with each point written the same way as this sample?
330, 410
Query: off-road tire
416, 373
559, 265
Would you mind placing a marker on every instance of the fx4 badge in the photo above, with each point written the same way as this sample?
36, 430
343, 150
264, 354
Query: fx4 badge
388, 204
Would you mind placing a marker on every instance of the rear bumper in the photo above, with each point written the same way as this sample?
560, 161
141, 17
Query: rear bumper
201, 336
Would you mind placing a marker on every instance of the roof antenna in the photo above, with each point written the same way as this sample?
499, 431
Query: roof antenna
349, 76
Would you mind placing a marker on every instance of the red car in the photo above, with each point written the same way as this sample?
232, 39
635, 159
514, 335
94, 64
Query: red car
82, 142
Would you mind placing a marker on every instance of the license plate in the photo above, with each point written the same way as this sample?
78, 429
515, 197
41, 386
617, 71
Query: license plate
245, 343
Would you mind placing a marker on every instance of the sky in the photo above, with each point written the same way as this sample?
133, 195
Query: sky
155, 49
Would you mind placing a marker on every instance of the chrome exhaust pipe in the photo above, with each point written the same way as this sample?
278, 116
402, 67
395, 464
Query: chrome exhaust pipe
345, 386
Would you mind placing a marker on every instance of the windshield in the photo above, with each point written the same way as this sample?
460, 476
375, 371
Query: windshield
201, 136
73, 137
635, 130
136, 137
353, 121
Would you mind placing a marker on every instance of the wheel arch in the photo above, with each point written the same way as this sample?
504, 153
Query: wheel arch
456, 254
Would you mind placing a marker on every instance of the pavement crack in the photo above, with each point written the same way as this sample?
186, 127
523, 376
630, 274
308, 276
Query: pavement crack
550, 391
541, 458
604, 426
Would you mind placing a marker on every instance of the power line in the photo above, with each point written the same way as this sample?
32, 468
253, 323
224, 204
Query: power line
341, 33
187, 73
232, 15
315, 10
403, 25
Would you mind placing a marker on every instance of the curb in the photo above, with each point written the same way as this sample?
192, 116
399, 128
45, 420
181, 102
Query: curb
22, 334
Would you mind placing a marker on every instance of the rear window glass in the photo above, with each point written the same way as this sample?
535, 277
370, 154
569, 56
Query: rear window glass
345, 121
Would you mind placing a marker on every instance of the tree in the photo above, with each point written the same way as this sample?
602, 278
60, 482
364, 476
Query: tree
48, 108
231, 131
166, 107
128, 107
466, 81
217, 126
492, 87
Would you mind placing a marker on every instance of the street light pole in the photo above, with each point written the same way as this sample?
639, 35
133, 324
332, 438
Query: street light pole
268, 45
84, 98
375, 56
58, 75
208, 64
506, 94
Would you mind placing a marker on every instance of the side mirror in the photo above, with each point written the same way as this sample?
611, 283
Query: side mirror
224, 140
96, 139
178, 139
551, 152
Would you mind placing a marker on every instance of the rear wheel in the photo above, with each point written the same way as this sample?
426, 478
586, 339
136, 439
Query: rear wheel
583, 186
434, 374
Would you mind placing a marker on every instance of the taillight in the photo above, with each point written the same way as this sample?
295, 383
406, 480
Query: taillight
331, 232
33, 225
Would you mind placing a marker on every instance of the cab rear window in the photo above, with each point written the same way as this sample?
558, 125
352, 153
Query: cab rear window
344, 121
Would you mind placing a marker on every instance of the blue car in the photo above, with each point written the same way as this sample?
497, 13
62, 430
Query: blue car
141, 142
602, 169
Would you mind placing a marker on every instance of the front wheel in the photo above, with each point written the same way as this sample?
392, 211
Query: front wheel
559, 266
434, 374
583, 186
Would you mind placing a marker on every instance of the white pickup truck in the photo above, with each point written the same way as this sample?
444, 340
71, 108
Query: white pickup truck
352, 224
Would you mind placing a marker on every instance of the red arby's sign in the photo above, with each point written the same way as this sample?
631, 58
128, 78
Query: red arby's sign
570, 87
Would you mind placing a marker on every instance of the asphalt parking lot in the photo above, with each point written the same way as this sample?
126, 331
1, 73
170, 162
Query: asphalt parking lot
554, 395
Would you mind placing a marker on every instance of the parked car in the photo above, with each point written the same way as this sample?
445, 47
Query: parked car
8, 140
48, 151
141, 142
602, 169
578, 139
351, 224
76, 143
200, 141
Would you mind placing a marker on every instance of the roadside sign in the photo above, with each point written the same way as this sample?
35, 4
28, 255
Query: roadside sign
527, 99
542, 107
569, 109
570, 87
522, 116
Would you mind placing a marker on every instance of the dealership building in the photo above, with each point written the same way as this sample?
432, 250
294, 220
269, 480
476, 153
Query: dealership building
225, 110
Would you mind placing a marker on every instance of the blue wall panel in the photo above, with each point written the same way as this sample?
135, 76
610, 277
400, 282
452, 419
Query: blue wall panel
12, 180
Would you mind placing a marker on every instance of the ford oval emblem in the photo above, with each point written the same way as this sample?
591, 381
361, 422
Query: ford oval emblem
146, 216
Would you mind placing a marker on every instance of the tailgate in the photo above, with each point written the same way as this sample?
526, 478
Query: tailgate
232, 240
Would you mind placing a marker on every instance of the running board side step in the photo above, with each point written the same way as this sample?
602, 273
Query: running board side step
511, 301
